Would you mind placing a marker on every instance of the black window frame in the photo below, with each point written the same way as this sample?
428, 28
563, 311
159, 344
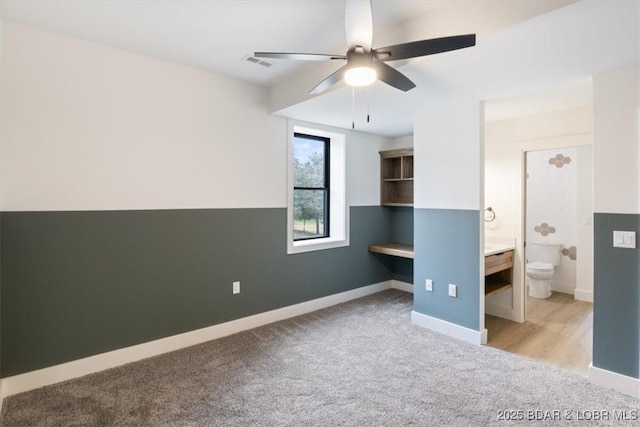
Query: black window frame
326, 188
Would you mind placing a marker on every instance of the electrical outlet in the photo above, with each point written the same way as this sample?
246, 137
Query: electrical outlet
236, 288
428, 283
453, 290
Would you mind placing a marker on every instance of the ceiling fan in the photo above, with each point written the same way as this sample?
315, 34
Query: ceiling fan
366, 65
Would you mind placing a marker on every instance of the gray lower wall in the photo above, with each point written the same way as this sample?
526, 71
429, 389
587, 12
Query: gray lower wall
401, 224
616, 309
447, 250
76, 284
401, 231
401, 269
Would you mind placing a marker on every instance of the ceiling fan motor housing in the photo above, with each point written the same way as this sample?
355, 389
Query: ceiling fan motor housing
358, 57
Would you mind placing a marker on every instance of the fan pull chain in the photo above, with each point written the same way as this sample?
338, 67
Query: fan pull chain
368, 105
353, 107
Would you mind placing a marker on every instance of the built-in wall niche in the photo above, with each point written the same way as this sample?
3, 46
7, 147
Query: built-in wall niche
396, 189
396, 173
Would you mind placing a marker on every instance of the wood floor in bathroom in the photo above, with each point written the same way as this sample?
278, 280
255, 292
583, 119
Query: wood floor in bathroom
558, 331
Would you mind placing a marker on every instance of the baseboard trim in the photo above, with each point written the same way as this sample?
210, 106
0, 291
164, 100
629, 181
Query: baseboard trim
402, 286
583, 295
615, 381
89, 365
448, 328
563, 290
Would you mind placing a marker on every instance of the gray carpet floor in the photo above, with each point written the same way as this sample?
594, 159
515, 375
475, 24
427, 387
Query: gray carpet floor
360, 363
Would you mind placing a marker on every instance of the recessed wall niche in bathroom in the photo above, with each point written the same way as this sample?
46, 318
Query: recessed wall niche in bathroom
559, 206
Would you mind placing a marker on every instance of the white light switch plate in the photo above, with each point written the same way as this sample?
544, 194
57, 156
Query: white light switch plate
624, 239
429, 285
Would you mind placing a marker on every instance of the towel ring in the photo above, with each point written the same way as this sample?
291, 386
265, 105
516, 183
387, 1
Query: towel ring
493, 214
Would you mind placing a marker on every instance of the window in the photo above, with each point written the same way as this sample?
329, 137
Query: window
311, 178
317, 212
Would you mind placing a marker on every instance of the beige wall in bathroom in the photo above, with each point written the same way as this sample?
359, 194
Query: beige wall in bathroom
506, 141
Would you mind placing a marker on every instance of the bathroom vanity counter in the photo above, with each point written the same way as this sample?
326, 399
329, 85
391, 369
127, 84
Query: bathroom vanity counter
496, 248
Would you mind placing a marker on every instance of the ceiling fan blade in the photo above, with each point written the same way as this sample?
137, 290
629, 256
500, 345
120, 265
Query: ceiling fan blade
424, 47
298, 56
393, 77
329, 81
358, 23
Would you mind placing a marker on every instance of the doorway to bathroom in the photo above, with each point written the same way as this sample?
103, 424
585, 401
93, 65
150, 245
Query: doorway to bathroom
558, 266
558, 220
538, 182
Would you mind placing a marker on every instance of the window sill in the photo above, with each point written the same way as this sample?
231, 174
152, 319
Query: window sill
316, 245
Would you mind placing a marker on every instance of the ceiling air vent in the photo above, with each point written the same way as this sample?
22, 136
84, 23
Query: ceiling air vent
255, 60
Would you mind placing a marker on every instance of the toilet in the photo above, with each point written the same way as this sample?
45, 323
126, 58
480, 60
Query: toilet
543, 257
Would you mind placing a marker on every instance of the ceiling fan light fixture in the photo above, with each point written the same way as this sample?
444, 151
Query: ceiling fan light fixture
360, 76
366, 65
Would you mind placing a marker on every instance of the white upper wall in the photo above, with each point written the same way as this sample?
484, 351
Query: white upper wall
89, 127
616, 150
363, 168
448, 146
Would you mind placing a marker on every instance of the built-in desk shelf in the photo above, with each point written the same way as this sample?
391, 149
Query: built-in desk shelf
393, 249
498, 267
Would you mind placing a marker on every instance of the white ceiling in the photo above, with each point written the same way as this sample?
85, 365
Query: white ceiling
212, 35
524, 47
